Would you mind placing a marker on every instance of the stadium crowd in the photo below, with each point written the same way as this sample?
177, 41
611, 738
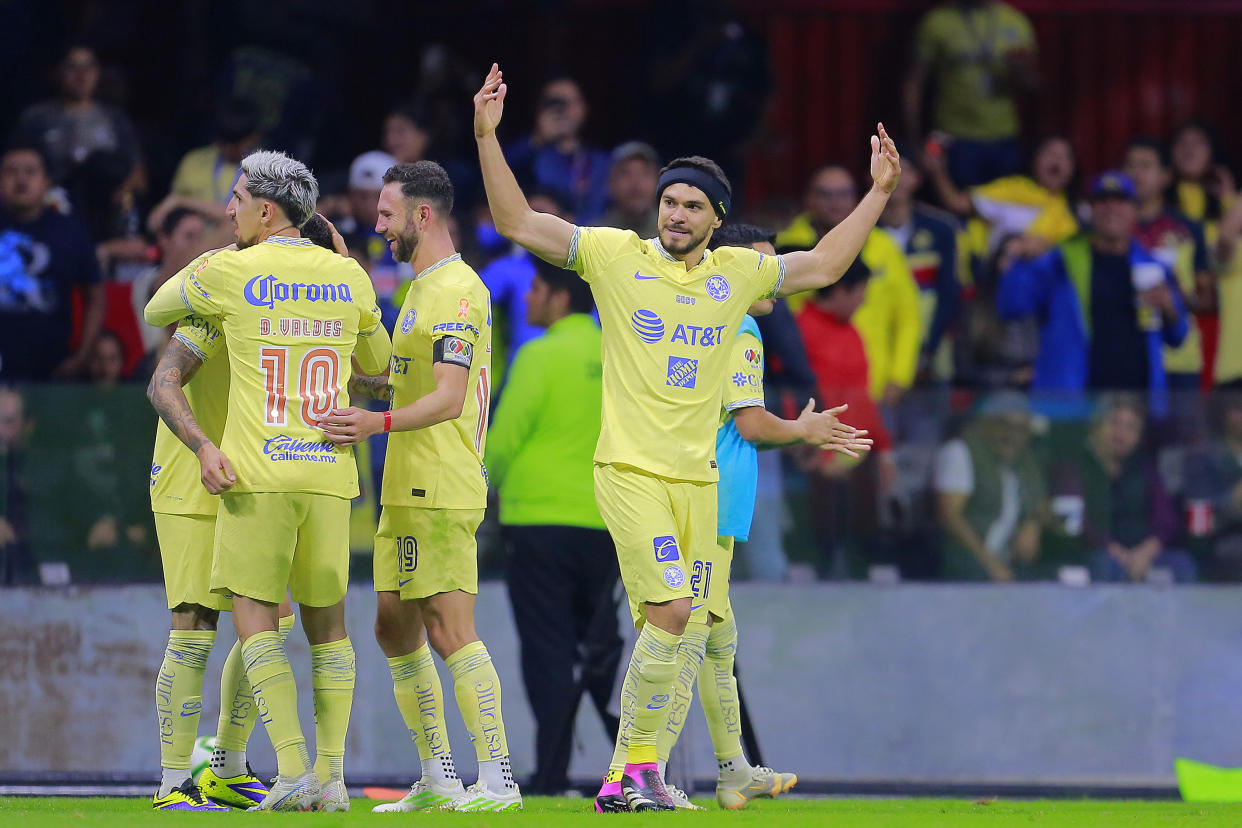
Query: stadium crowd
1050, 364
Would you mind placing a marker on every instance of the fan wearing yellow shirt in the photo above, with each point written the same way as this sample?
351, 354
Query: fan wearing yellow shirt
434, 494
669, 310
292, 315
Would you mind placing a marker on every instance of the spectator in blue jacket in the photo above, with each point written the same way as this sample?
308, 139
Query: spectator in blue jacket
1106, 307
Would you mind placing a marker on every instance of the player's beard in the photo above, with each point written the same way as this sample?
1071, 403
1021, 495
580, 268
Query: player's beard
407, 242
689, 244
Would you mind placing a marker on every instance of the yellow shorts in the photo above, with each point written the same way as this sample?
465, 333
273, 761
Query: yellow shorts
658, 526
709, 578
186, 543
267, 542
422, 552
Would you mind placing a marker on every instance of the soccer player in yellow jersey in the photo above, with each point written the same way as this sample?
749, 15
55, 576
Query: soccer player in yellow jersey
668, 308
710, 642
185, 524
434, 494
292, 315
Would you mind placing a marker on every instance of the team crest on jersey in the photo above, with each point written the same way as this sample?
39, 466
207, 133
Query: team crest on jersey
718, 288
407, 322
463, 307
666, 548
674, 576
648, 325
682, 372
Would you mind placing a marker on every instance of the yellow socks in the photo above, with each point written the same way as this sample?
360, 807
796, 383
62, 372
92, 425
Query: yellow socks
718, 691
649, 678
237, 714
477, 688
179, 700
332, 680
416, 686
689, 660
276, 700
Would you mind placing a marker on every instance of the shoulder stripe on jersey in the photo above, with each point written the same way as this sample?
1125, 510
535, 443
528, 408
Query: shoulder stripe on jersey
185, 300
192, 346
573, 249
752, 402
456, 257
780, 276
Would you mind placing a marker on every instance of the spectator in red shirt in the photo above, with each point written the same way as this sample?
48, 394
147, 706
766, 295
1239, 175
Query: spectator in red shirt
844, 494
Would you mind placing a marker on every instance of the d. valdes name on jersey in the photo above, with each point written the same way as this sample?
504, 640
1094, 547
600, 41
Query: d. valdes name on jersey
296, 326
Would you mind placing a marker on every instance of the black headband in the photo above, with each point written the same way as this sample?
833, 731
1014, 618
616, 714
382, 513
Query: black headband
715, 191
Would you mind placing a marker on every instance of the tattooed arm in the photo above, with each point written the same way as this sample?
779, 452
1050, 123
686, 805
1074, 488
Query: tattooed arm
176, 367
377, 388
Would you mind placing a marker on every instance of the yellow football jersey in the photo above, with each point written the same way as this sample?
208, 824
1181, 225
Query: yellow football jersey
292, 315
667, 334
176, 486
441, 467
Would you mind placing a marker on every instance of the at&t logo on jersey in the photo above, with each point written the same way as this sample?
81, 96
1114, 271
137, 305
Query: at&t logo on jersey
666, 548
266, 291
682, 371
698, 335
718, 288
648, 325
407, 321
283, 448
674, 576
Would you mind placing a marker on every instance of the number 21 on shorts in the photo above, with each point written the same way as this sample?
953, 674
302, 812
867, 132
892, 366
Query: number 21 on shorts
319, 384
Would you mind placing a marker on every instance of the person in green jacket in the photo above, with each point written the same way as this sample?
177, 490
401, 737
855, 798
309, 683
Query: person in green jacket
562, 567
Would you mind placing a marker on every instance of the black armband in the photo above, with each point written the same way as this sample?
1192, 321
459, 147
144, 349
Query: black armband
451, 350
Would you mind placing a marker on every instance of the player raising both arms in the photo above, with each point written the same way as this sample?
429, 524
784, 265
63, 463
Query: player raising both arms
292, 315
434, 494
185, 524
711, 643
669, 310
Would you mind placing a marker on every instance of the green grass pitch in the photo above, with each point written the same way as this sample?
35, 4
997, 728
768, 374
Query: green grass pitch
69, 812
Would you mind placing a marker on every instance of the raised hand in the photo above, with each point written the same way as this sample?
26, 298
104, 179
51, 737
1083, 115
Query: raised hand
885, 162
489, 103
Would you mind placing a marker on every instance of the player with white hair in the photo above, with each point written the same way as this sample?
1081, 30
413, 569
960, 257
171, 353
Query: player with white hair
294, 318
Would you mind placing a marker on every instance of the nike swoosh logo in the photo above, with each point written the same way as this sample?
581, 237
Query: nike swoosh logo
696, 606
641, 277
403, 583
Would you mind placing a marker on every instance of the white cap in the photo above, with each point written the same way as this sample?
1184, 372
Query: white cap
367, 170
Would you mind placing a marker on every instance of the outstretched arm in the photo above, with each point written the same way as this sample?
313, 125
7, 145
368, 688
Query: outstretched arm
176, 367
824, 264
545, 235
820, 429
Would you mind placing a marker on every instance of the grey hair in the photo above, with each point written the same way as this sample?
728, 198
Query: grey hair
285, 181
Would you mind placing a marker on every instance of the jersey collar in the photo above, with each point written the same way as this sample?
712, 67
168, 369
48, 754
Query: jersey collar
655, 242
456, 257
289, 241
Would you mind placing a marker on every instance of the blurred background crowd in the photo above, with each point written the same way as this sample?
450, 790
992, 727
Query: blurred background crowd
1044, 334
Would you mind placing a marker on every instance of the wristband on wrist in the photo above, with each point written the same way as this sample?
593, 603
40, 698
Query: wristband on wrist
387, 421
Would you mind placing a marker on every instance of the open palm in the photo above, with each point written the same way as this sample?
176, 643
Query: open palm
885, 162
489, 103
